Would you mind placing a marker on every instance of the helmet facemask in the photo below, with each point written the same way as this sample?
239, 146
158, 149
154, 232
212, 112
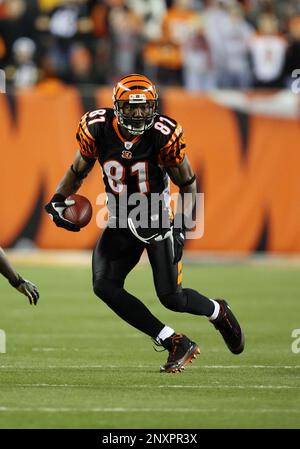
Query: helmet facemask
136, 114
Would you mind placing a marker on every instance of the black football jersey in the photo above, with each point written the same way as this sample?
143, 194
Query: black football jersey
135, 166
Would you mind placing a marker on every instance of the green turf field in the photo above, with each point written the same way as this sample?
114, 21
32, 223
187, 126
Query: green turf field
71, 363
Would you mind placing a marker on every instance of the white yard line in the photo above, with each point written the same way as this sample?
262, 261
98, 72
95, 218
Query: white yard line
55, 349
241, 387
151, 387
139, 410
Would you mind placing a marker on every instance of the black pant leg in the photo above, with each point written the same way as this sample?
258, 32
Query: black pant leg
167, 280
115, 255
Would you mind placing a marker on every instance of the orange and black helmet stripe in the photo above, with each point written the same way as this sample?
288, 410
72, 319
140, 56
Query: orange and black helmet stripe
134, 83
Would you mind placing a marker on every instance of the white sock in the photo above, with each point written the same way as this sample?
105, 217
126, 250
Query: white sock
165, 333
216, 311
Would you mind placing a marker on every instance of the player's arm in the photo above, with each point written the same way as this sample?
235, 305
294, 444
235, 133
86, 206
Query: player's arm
69, 184
83, 163
182, 175
172, 156
13, 277
75, 175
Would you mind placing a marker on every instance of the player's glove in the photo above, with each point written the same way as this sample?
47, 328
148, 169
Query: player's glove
28, 289
178, 237
55, 209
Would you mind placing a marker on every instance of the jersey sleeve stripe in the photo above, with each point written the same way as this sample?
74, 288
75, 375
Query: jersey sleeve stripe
86, 140
83, 145
172, 141
173, 154
86, 137
86, 131
86, 146
176, 135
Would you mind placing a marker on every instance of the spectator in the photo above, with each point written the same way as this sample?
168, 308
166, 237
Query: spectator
81, 66
215, 21
164, 58
282, 9
25, 71
14, 23
293, 51
125, 26
197, 62
152, 13
236, 35
268, 50
66, 22
50, 80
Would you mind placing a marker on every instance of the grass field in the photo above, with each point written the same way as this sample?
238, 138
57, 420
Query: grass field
71, 363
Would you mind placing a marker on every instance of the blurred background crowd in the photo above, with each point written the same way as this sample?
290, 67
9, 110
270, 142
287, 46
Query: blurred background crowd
196, 44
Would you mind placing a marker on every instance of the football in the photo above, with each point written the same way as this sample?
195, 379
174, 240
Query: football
81, 212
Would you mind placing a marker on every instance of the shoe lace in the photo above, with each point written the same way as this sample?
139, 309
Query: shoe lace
175, 341
159, 345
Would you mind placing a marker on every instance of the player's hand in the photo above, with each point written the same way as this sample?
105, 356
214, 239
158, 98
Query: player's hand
55, 209
30, 290
27, 288
178, 234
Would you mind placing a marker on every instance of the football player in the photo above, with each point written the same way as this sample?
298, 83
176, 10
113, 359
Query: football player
139, 150
22, 285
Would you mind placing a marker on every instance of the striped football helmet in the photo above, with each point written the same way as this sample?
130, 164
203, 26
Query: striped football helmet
135, 103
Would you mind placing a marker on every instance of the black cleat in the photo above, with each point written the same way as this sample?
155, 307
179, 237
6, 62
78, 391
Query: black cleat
229, 328
182, 351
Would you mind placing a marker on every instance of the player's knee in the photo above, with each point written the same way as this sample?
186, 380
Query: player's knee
174, 301
105, 289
